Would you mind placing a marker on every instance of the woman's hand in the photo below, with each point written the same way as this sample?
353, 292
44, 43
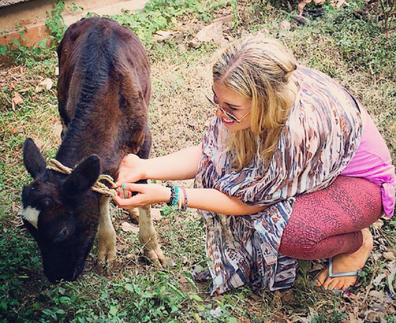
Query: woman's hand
131, 169
141, 194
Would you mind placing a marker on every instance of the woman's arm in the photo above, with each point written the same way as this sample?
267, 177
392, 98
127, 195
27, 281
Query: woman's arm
176, 166
200, 198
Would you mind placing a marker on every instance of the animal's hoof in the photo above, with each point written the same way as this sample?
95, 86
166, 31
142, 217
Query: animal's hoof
158, 258
105, 268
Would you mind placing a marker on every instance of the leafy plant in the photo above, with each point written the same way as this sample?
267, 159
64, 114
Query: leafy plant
21, 53
19, 259
388, 9
161, 15
55, 22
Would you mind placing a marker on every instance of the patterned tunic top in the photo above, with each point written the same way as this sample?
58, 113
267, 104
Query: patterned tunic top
319, 139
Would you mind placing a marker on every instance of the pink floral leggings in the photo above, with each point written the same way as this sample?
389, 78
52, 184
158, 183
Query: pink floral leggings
328, 222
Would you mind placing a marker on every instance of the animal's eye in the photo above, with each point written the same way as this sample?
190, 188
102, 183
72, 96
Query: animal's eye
62, 235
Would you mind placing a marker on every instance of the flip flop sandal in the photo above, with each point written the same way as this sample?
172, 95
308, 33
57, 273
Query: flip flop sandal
345, 274
335, 275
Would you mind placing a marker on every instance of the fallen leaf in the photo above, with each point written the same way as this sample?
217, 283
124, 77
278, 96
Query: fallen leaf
378, 295
127, 227
38, 89
166, 35
213, 32
390, 280
389, 255
378, 224
17, 99
47, 83
155, 214
377, 281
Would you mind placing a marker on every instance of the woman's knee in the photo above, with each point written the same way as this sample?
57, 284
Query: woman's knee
300, 243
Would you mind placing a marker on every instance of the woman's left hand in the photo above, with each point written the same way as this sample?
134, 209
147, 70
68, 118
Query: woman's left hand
139, 195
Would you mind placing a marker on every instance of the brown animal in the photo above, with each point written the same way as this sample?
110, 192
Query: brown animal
103, 97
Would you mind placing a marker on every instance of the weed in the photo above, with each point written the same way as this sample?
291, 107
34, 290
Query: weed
19, 53
161, 15
55, 22
19, 262
388, 11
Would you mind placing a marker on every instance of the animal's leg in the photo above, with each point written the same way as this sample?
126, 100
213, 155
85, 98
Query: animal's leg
148, 237
134, 215
107, 237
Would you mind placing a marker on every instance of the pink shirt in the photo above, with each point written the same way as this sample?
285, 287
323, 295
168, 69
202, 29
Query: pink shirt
372, 161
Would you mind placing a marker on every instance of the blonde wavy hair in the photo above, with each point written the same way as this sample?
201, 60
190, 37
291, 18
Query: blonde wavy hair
259, 69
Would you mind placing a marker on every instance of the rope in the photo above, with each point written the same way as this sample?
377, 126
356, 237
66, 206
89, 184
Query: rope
97, 187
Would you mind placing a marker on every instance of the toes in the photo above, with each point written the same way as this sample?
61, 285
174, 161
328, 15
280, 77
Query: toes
336, 283
333, 285
345, 284
328, 284
322, 277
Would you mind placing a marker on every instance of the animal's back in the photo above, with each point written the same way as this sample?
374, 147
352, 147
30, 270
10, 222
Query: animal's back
103, 92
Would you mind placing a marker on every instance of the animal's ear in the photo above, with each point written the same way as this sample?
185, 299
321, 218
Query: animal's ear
32, 158
83, 176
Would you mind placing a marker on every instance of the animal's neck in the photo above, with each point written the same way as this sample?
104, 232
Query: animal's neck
78, 145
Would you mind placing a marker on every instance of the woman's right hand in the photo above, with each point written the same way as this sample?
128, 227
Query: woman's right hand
144, 194
131, 169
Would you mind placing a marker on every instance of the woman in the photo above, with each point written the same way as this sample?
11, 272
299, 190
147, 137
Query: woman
291, 167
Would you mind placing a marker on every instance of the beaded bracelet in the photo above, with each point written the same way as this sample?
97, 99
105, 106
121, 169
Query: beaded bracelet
172, 196
176, 195
184, 207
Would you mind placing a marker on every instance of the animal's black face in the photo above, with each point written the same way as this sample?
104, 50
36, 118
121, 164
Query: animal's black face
61, 213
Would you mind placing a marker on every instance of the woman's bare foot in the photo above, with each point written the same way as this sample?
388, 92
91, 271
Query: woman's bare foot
347, 263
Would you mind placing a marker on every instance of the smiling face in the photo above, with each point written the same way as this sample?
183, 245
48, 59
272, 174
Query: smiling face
229, 103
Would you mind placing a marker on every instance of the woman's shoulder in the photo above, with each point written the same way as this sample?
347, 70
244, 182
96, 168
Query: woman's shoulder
310, 79
319, 92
